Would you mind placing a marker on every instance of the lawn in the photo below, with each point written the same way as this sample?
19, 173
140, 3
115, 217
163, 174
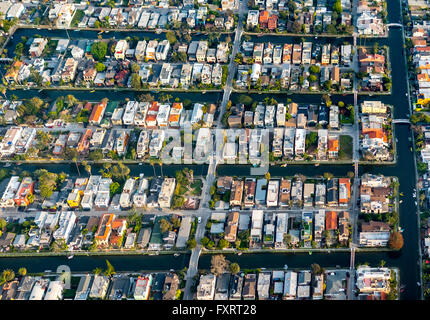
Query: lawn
345, 149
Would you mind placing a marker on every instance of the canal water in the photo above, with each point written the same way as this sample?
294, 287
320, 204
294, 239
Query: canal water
407, 259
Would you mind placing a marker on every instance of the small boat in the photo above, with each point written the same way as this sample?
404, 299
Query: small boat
401, 193
310, 252
92, 91
317, 164
239, 253
176, 254
419, 284
283, 165
40, 90
101, 32
70, 257
400, 201
285, 266
415, 203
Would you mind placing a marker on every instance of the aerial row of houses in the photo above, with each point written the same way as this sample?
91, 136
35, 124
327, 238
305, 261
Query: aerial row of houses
304, 53
160, 286
311, 18
108, 231
290, 143
284, 193
425, 151
372, 284
17, 140
376, 197
12, 10
291, 115
274, 285
94, 193
375, 144
421, 59
79, 66
149, 18
18, 192
373, 66
375, 193
369, 19
279, 65
318, 229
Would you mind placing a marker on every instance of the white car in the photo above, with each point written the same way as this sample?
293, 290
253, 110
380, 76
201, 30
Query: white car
199, 219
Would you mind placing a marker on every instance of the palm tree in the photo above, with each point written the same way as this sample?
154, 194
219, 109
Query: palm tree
75, 160
3, 91
22, 271
161, 167
152, 161
97, 271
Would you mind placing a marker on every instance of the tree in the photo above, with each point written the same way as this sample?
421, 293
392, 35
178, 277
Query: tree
114, 188
314, 69
316, 269
204, 241
136, 82
99, 50
223, 244
110, 270
170, 36
3, 224
120, 172
165, 225
22, 271
176, 222
191, 244
47, 182
396, 240
287, 239
297, 26
337, 7
312, 78
234, 268
331, 28
328, 175
219, 264
7, 275
97, 271
100, 67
